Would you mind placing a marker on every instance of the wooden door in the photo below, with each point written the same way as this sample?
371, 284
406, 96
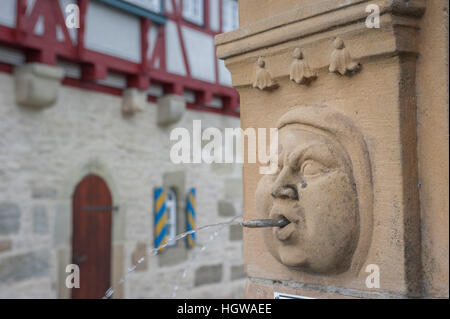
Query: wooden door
91, 236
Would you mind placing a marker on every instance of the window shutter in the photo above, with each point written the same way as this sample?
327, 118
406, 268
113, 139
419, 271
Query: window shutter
191, 208
160, 223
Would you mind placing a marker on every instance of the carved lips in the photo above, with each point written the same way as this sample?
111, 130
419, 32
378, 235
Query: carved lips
284, 233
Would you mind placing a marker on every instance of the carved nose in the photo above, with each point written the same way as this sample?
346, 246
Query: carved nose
288, 191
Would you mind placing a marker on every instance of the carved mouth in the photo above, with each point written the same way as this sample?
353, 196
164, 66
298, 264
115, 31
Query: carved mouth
285, 218
282, 221
284, 232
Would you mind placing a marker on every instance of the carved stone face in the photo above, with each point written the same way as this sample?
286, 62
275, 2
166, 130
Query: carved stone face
314, 189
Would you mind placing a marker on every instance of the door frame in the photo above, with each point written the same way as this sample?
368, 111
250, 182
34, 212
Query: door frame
64, 226
92, 236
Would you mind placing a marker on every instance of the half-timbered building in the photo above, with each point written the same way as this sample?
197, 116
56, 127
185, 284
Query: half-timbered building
89, 93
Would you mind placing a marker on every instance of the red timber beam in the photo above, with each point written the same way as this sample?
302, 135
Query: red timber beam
43, 48
46, 48
178, 18
204, 93
141, 80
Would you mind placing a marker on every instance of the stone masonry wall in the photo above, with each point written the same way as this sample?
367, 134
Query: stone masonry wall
42, 150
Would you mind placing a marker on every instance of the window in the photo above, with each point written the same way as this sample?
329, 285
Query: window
171, 207
193, 11
230, 15
152, 5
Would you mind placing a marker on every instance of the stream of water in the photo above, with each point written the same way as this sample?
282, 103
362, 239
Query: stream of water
154, 251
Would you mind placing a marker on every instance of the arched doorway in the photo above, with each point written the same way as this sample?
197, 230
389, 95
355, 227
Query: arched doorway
91, 236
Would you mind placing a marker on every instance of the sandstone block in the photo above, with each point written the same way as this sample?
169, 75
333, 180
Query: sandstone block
9, 218
208, 274
171, 108
37, 84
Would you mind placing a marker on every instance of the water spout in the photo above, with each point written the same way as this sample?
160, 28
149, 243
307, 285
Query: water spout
156, 250
258, 223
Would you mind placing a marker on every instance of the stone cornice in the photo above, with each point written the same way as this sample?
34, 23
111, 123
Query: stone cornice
310, 20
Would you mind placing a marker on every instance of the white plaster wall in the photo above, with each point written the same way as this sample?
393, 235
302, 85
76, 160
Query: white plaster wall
174, 55
230, 15
152, 36
41, 150
113, 32
8, 13
30, 5
168, 6
214, 14
224, 74
200, 54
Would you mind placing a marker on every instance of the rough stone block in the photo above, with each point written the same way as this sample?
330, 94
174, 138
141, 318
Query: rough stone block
233, 188
64, 257
238, 272
20, 267
62, 231
43, 192
118, 269
5, 245
266, 289
171, 108
140, 252
9, 218
222, 168
37, 84
133, 101
225, 208
236, 232
40, 220
173, 255
210, 274
175, 180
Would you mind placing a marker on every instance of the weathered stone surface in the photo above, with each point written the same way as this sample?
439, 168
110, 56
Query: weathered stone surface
238, 272
40, 220
236, 232
233, 188
222, 168
133, 101
62, 229
433, 146
39, 192
329, 201
5, 245
174, 255
225, 208
138, 257
384, 222
86, 133
118, 271
9, 218
208, 274
37, 84
171, 109
64, 258
24, 266
266, 289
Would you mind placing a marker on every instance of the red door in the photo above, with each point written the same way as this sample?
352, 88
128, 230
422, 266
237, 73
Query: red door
91, 236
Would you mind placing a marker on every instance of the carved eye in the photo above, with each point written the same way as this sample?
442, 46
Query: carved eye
312, 168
